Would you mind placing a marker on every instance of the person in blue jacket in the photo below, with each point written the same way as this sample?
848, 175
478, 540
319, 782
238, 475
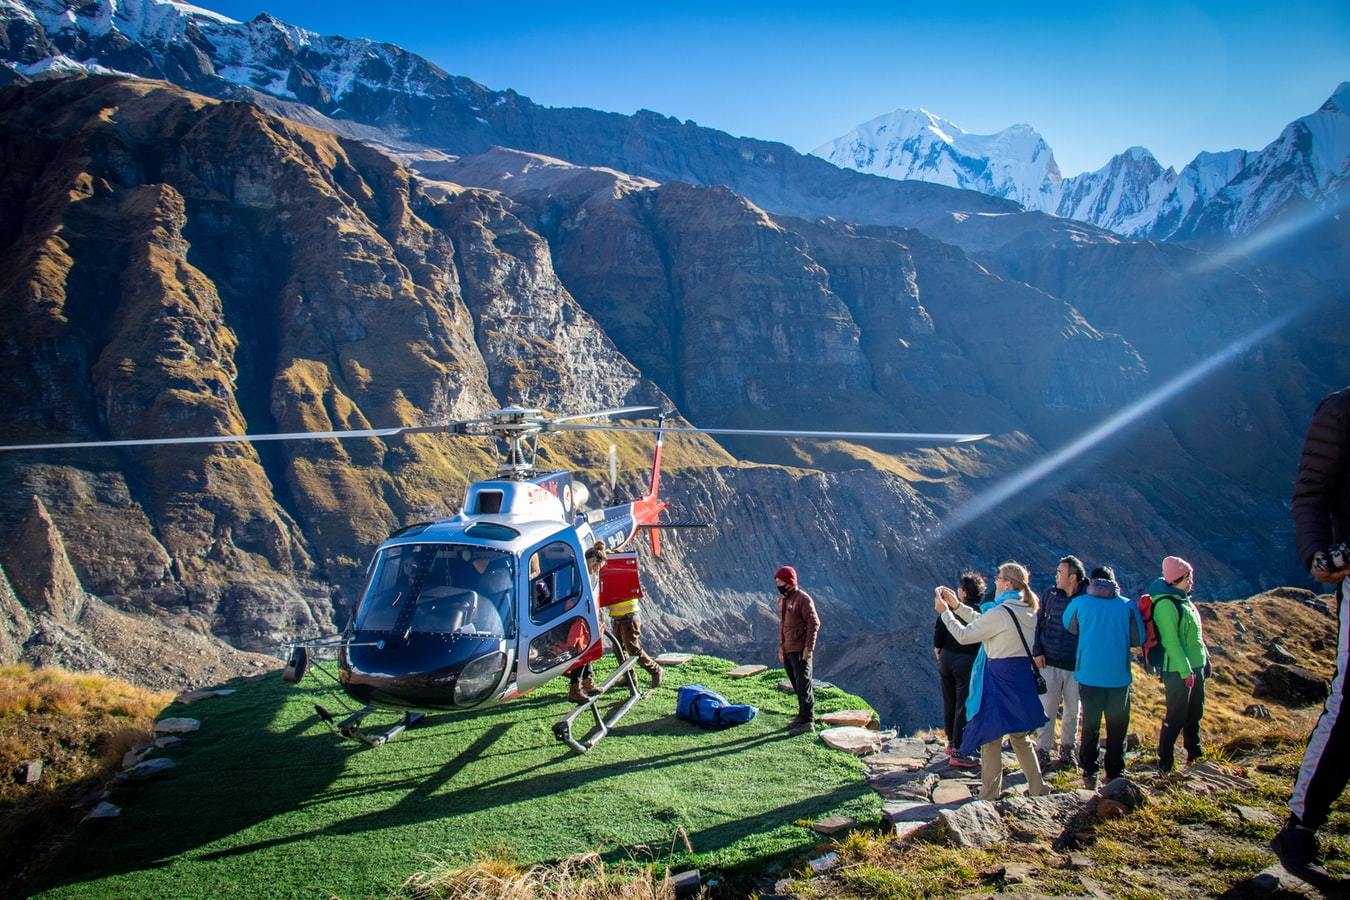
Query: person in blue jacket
1107, 625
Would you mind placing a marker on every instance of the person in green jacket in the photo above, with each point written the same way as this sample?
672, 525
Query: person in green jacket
1185, 660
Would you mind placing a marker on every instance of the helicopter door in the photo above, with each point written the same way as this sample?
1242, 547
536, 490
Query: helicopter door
560, 621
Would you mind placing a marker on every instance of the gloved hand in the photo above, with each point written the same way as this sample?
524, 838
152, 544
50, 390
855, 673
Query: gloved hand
1190, 681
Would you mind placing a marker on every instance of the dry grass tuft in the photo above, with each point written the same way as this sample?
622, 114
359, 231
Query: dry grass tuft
498, 876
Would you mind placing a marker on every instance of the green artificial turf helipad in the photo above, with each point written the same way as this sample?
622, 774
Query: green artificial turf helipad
266, 801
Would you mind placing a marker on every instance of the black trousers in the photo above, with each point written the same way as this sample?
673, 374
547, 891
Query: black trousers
1185, 708
1326, 763
1114, 704
799, 673
954, 673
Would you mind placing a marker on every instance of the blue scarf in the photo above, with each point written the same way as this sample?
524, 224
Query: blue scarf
977, 670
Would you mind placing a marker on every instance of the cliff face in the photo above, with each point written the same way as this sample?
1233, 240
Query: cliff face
175, 265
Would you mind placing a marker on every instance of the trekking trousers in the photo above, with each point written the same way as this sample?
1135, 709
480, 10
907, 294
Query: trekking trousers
1114, 703
1326, 764
954, 673
1185, 709
991, 766
799, 673
1061, 686
628, 632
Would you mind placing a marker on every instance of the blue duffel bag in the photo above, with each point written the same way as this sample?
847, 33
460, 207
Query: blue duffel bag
709, 709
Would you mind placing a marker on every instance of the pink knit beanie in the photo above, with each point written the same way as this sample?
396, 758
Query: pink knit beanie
1175, 568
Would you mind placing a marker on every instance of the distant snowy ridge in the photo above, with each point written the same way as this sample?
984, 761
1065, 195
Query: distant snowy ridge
1232, 192
184, 42
1015, 163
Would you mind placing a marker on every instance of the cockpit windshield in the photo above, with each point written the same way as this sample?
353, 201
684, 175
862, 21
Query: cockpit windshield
441, 589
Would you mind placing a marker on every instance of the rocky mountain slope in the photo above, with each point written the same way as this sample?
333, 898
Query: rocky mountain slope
175, 264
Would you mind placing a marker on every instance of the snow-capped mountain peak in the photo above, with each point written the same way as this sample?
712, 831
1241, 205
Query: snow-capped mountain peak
1015, 163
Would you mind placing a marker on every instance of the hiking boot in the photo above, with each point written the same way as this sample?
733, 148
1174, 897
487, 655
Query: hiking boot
800, 727
576, 694
1043, 758
1297, 849
1066, 754
588, 686
1090, 781
656, 677
958, 761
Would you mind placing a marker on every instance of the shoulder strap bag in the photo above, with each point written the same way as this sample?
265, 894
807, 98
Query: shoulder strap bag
1041, 686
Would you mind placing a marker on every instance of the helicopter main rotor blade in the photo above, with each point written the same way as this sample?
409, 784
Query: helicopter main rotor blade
925, 437
451, 427
603, 413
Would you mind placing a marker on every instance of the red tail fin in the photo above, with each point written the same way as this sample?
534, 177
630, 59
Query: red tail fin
647, 511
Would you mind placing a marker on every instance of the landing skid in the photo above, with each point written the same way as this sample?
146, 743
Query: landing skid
562, 729
350, 727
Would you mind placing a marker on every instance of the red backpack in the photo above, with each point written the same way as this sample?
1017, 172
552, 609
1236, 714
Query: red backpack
1151, 653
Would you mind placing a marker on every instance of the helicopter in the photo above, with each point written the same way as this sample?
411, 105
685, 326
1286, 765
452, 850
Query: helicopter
485, 606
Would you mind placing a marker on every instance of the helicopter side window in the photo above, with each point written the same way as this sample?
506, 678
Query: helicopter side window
561, 643
391, 586
555, 582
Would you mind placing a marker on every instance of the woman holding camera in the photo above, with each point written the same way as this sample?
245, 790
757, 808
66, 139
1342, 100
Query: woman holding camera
1185, 660
1006, 701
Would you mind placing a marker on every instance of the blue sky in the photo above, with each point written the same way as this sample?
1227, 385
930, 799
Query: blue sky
1092, 78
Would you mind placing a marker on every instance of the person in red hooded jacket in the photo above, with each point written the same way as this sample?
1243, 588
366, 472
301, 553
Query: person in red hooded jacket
798, 625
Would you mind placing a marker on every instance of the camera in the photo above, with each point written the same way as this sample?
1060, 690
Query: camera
1338, 556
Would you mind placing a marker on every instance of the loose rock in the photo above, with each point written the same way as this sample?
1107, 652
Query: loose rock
1041, 818
850, 739
899, 811
909, 786
1208, 777
104, 810
906, 830
686, 884
973, 826
833, 824
150, 768
1293, 685
1125, 792
194, 696
1276, 653
747, 670
825, 863
168, 741
29, 771
1277, 878
1257, 711
177, 726
951, 791
1256, 815
858, 718
674, 659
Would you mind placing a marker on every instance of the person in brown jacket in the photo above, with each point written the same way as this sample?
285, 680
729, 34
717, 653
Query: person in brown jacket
798, 625
1321, 510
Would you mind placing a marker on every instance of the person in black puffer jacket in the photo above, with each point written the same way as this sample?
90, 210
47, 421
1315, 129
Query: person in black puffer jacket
1056, 652
1321, 510
955, 660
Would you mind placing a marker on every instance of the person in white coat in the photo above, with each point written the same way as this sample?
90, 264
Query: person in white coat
1008, 703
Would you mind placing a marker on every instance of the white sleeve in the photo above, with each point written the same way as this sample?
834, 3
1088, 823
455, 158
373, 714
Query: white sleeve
982, 627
